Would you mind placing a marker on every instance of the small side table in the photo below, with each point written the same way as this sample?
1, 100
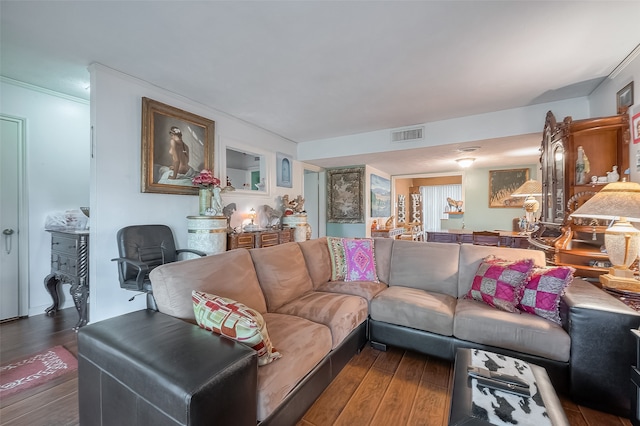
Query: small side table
207, 234
387, 233
69, 264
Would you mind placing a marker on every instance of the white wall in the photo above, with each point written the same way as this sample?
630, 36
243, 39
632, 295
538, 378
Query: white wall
517, 121
477, 214
116, 108
603, 103
57, 163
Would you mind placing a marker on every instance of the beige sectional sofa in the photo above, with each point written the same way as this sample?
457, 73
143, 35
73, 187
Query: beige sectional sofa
318, 325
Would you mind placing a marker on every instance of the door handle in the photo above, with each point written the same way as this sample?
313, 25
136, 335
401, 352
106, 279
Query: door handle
7, 239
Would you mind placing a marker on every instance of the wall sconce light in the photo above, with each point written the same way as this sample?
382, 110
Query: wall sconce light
465, 162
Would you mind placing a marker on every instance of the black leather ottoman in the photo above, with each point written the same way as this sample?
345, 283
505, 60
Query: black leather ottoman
465, 411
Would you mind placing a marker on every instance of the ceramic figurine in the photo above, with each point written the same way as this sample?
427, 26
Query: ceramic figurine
613, 176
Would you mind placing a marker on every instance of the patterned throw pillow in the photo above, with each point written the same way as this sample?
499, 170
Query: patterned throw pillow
236, 321
543, 291
360, 260
499, 283
338, 261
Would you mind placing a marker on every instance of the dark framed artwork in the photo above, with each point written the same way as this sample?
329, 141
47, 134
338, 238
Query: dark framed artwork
503, 183
345, 195
380, 196
624, 97
284, 170
176, 146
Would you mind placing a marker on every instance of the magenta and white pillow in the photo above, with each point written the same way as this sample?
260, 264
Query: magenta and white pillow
543, 291
352, 259
499, 283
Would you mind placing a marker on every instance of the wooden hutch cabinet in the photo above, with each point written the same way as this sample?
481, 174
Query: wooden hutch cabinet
605, 142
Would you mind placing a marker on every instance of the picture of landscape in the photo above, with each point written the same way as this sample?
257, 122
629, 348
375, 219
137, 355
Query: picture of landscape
380, 196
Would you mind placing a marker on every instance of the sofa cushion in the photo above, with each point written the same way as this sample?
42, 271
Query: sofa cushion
471, 256
425, 266
360, 260
352, 259
382, 248
338, 258
236, 321
316, 256
500, 283
415, 308
543, 291
303, 344
282, 273
230, 274
477, 322
342, 313
365, 289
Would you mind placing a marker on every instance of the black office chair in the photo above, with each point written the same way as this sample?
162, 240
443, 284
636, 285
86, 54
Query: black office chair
141, 249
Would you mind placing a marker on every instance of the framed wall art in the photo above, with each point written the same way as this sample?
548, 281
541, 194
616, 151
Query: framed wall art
624, 97
635, 128
380, 196
345, 195
503, 183
176, 146
284, 169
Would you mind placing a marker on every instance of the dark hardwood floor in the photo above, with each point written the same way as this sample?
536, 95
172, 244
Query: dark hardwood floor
376, 388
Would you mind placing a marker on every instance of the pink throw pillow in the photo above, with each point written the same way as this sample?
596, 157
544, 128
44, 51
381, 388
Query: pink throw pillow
543, 291
500, 283
360, 259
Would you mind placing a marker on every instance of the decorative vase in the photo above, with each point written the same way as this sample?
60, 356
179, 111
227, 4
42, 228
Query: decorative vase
205, 200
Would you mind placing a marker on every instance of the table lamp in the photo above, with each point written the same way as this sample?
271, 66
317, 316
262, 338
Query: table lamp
530, 189
618, 202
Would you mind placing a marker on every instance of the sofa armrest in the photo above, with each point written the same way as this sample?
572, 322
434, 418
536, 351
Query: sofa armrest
146, 367
602, 349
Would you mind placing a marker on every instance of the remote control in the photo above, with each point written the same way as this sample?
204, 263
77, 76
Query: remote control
503, 386
483, 373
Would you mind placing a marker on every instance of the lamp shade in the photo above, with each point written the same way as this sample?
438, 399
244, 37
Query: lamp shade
615, 200
531, 187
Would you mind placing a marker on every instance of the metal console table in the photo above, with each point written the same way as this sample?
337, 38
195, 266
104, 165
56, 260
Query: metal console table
69, 264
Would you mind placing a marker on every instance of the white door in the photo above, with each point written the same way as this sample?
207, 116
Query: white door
11, 132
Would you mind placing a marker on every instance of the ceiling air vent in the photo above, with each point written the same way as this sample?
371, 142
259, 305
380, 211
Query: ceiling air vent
405, 135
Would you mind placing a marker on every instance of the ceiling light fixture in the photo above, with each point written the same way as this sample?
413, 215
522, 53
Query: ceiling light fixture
468, 149
465, 162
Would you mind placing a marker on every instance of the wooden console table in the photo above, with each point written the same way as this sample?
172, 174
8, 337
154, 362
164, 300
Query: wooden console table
258, 239
69, 264
463, 236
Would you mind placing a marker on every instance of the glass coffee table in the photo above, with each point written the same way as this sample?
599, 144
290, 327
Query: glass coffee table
479, 402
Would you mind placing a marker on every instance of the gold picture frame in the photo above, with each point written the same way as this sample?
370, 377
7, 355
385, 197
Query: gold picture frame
173, 138
503, 183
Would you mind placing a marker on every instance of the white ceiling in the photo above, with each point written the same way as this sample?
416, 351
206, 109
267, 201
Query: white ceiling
309, 70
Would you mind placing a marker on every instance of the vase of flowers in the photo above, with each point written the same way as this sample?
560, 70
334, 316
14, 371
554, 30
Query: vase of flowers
206, 182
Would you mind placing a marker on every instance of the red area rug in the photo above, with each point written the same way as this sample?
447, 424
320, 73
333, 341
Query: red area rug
35, 370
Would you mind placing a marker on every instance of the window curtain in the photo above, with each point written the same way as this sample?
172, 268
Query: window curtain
434, 204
